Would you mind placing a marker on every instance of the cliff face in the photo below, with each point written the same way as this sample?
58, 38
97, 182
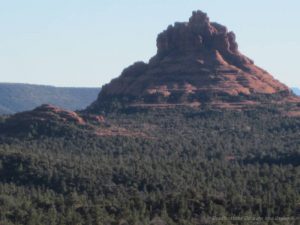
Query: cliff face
197, 62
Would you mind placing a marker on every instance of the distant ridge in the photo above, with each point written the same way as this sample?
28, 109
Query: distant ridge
296, 91
17, 97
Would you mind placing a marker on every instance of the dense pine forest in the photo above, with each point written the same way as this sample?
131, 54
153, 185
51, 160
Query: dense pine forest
176, 166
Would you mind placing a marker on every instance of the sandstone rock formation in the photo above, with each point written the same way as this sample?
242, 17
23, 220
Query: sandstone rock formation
48, 112
45, 114
197, 63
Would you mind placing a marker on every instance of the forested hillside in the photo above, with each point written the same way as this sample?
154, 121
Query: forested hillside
174, 166
20, 97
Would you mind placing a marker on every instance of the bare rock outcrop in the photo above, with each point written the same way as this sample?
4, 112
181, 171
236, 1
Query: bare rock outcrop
45, 116
48, 112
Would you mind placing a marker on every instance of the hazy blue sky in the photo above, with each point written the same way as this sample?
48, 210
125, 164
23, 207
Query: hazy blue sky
89, 42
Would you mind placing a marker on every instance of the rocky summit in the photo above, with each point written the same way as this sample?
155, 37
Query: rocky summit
198, 64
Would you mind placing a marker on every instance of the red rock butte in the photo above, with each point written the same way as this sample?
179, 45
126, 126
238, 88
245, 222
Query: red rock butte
197, 63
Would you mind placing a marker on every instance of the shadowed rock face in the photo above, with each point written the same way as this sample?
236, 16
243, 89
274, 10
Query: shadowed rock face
197, 62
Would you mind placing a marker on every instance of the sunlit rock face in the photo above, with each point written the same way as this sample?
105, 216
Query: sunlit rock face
197, 63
